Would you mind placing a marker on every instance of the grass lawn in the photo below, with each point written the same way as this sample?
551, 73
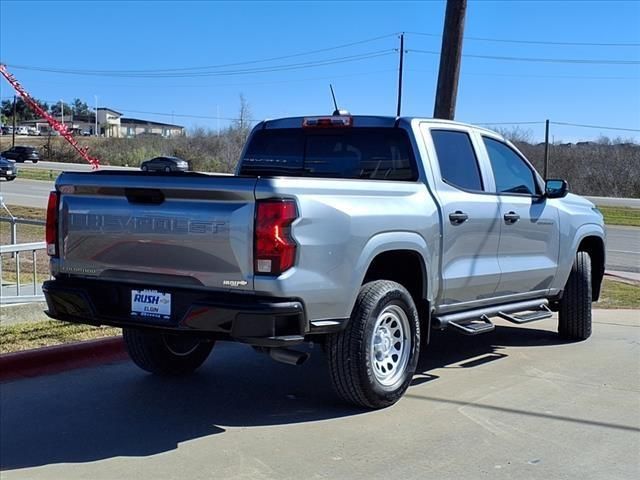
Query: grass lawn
25, 212
621, 216
37, 174
25, 336
618, 295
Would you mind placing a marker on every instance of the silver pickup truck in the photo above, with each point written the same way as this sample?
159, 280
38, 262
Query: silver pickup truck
362, 233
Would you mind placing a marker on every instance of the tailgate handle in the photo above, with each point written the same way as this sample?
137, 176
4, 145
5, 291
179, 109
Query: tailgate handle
151, 196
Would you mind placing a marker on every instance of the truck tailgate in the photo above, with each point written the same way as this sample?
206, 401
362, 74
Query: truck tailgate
191, 230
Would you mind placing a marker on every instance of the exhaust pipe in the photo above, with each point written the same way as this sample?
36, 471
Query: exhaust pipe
290, 357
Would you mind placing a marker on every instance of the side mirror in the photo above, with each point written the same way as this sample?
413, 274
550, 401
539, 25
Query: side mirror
556, 188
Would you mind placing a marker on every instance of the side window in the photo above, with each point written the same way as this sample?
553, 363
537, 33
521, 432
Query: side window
457, 159
510, 171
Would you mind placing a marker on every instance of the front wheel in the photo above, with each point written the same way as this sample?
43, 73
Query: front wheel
373, 360
574, 316
165, 354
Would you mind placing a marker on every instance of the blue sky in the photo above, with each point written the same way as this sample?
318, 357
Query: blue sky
153, 35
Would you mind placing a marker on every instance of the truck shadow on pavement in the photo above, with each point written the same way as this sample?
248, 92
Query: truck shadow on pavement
118, 410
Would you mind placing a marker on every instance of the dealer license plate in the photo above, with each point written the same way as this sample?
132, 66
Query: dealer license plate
150, 303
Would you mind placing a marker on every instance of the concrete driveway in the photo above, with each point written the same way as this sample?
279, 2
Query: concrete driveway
516, 403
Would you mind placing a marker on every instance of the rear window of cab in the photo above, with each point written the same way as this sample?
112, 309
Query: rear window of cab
358, 153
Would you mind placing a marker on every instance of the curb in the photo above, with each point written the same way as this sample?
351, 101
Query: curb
58, 358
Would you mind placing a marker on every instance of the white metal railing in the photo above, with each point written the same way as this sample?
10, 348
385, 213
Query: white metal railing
19, 293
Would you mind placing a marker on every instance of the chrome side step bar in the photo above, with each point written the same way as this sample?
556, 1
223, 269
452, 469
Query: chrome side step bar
474, 322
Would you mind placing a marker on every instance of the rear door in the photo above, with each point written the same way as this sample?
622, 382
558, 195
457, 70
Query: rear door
529, 233
193, 231
471, 230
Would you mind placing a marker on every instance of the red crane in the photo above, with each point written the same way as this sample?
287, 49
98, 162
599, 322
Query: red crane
61, 128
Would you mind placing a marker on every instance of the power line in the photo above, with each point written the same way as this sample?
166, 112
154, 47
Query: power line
520, 75
218, 85
269, 69
543, 60
536, 42
211, 67
596, 126
510, 123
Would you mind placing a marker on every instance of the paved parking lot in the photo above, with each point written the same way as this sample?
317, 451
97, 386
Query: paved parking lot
516, 403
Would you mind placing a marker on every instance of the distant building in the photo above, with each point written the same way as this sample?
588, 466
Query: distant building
132, 127
111, 123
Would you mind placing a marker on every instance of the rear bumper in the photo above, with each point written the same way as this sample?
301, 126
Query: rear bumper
267, 322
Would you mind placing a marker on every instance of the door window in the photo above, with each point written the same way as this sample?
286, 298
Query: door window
457, 159
511, 173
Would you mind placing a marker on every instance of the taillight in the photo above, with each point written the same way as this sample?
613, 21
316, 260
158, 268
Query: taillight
51, 233
328, 122
274, 248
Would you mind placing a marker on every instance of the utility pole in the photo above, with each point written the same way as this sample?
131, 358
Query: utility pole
450, 54
400, 74
546, 149
62, 112
96, 117
13, 135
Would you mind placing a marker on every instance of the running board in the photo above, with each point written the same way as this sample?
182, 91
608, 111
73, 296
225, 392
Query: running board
474, 327
542, 313
474, 322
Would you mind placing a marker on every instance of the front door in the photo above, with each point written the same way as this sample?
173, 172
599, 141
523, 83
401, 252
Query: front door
529, 233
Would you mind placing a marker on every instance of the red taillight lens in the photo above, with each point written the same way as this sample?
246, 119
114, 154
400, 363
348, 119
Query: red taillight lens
328, 122
51, 232
275, 249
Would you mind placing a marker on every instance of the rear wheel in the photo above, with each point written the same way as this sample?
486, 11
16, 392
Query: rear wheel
166, 354
373, 360
144, 168
574, 316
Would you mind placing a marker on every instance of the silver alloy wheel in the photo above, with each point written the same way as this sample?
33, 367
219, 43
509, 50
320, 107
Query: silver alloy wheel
390, 345
180, 346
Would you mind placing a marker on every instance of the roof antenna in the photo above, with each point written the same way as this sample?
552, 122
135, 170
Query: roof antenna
337, 111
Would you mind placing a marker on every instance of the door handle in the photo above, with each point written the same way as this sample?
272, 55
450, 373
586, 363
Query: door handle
458, 217
511, 218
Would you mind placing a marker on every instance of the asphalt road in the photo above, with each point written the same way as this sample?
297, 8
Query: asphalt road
69, 167
623, 243
515, 403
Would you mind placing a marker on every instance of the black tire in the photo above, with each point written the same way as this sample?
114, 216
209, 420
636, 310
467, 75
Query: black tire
165, 354
353, 364
10, 178
574, 316
144, 168
35, 161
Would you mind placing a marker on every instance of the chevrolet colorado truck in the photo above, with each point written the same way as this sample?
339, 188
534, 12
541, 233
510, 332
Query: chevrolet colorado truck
361, 233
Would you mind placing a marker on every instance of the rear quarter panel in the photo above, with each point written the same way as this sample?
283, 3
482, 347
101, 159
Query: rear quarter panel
342, 226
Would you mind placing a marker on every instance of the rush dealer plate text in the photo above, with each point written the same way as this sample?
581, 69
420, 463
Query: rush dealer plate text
150, 303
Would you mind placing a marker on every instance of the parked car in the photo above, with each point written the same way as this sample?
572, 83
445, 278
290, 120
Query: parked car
21, 154
7, 130
165, 164
364, 234
22, 131
8, 169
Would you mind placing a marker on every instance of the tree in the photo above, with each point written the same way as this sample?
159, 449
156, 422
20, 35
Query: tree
80, 108
23, 112
56, 109
236, 135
